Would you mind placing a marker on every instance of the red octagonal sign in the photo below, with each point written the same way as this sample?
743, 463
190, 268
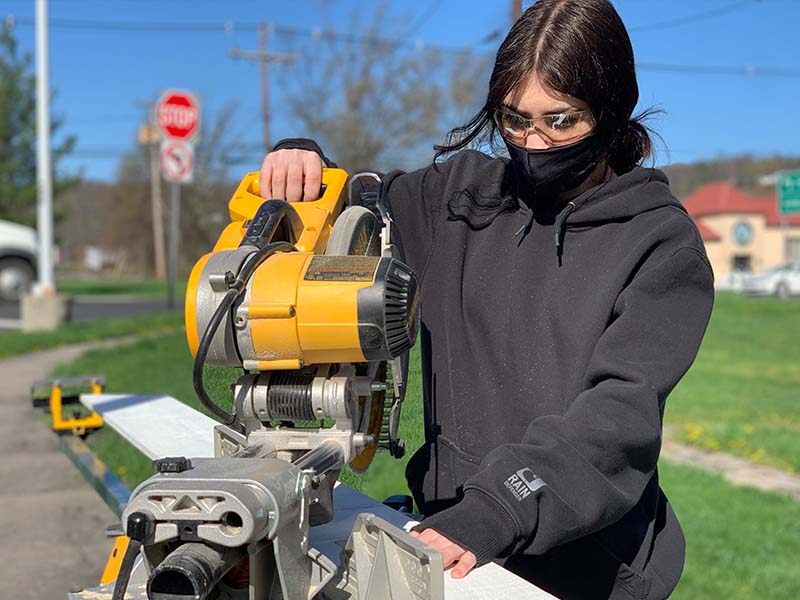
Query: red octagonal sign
178, 114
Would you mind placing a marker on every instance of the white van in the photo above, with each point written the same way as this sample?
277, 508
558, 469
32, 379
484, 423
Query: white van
17, 260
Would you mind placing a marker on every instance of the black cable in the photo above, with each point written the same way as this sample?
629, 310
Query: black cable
121, 584
139, 527
202, 353
237, 287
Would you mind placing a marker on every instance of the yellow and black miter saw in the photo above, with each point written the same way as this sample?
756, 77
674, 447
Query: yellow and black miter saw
312, 302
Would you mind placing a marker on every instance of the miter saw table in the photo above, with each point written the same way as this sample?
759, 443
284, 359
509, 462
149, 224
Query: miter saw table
162, 426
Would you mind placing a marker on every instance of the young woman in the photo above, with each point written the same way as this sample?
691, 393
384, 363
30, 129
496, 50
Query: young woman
564, 292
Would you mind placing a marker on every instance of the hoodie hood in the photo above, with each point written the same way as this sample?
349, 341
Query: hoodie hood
495, 187
618, 199
622, 197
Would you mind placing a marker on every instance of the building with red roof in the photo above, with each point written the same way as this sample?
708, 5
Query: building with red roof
742, 233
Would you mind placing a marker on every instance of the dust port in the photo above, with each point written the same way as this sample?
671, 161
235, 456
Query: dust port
233, 521
172, 585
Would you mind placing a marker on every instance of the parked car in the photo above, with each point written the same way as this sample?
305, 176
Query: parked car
782, 281
17, 260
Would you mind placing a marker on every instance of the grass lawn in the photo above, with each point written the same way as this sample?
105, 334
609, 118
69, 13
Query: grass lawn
109, 286
743, 393
19, 342
741, 543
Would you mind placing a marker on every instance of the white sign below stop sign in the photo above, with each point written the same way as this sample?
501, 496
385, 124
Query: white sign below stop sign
177, 161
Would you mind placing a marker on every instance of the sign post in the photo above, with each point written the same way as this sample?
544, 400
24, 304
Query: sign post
174, 234
178, 117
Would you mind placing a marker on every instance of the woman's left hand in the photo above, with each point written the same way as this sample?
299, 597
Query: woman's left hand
461, 559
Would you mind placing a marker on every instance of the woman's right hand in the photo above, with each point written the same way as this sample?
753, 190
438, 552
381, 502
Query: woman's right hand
292, 175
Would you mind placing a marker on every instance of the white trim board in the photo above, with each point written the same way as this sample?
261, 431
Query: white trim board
157, 426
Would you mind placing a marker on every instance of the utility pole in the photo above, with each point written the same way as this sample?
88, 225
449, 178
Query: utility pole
516, 10
43, 309
264, 57
44, 205
149, 136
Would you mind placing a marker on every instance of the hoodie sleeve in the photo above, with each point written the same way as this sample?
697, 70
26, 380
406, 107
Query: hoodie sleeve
304, 144
575, 473
416, 213
412, 198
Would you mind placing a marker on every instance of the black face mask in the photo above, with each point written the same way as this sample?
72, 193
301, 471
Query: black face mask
559, 169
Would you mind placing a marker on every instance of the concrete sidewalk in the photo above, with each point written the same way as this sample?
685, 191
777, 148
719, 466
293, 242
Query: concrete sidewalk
52, 522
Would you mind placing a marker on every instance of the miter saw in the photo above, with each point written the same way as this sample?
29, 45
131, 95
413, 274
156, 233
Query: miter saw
311, 300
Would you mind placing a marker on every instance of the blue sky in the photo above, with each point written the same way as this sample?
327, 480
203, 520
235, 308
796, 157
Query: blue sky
100, 75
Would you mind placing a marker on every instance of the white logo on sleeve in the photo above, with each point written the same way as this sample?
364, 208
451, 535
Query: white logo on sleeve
522, 483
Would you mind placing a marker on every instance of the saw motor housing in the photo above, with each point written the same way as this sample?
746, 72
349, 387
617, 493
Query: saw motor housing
315, 323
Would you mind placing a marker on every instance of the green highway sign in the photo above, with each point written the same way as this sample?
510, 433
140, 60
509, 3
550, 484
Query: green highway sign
789, 192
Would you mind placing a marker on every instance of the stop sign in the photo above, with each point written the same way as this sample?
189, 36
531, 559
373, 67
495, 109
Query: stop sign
178, 114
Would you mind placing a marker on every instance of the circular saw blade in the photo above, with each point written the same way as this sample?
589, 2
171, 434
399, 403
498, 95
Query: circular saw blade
357, 232
374, 423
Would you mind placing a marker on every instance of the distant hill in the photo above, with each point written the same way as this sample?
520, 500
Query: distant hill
742, 171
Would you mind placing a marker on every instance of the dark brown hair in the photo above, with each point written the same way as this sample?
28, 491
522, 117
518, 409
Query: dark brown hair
576, 47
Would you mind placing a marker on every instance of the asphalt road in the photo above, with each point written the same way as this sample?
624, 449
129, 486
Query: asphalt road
87, 309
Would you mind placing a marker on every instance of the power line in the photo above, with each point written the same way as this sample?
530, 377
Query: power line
374, 40
691, 19
747, 70
171, 26
232, 26
423, 17
369, 40
119, 150
495, 34
119, 118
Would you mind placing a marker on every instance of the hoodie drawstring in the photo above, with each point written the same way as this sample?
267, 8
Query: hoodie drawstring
527, 227
561, 221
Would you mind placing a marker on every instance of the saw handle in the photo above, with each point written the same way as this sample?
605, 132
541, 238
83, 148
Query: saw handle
333, 182
273, 217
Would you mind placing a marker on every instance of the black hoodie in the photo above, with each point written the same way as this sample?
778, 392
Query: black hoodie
552, 334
